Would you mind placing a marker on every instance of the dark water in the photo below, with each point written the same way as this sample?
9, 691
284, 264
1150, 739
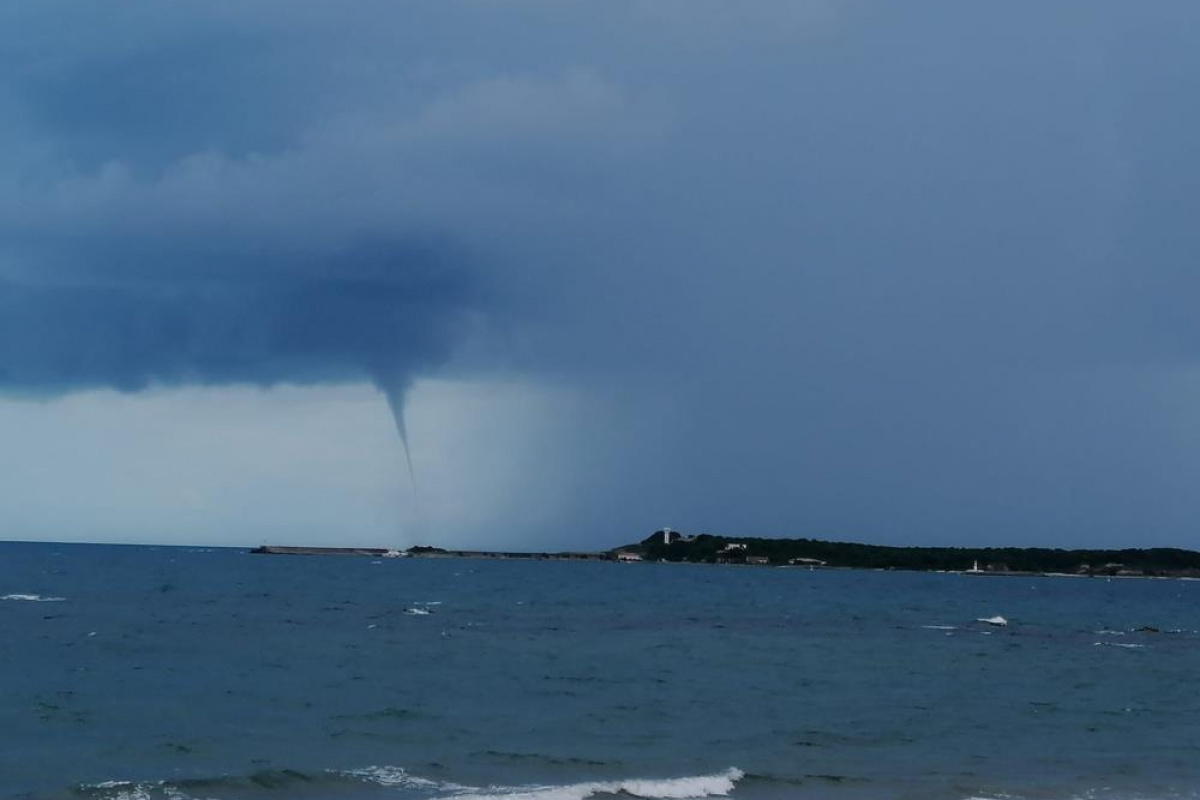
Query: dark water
180, 673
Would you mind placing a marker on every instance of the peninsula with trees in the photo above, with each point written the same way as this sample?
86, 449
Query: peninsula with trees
673, 546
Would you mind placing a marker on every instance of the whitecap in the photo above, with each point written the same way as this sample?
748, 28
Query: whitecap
398, 777
124, 790
33, 598
940, 627
684, 788
417, 612
719, 784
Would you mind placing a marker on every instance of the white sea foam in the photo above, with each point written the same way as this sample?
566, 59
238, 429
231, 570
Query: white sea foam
398, 777
697, 786
124, 790
33, 598
417, 612
1120, 644
685, 788
384, 776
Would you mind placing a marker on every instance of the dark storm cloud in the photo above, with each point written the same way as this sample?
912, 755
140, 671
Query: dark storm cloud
176, 219
920, 271
390, 309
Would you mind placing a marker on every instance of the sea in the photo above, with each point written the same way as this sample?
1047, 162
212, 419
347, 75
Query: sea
171, 673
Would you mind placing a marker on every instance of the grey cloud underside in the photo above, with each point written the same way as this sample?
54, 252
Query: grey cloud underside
378, 317
860, 248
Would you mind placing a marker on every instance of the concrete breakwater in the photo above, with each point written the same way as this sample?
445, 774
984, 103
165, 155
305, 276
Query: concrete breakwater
425, 552
279, 550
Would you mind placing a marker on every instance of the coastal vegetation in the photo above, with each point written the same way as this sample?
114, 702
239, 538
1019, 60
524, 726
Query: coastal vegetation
713, 549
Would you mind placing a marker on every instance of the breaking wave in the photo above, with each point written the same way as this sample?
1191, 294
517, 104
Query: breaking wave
682, 788
32, 598
1121, 644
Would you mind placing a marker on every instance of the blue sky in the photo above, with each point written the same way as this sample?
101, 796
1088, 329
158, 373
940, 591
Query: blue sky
902, 273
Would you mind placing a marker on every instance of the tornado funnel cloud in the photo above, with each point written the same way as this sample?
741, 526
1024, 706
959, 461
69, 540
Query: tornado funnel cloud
396, 396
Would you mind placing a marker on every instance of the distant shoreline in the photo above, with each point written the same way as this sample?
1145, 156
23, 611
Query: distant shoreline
671, 547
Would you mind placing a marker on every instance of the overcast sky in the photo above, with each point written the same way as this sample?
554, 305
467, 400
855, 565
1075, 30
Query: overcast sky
912, 273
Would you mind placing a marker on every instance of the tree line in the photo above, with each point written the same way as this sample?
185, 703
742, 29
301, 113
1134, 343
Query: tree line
707, 548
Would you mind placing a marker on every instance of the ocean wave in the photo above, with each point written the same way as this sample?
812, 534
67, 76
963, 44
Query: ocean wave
684, 788
212, 788
399, 778
390, 777
32, 598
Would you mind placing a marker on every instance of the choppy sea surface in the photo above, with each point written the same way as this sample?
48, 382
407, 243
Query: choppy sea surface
140, 673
